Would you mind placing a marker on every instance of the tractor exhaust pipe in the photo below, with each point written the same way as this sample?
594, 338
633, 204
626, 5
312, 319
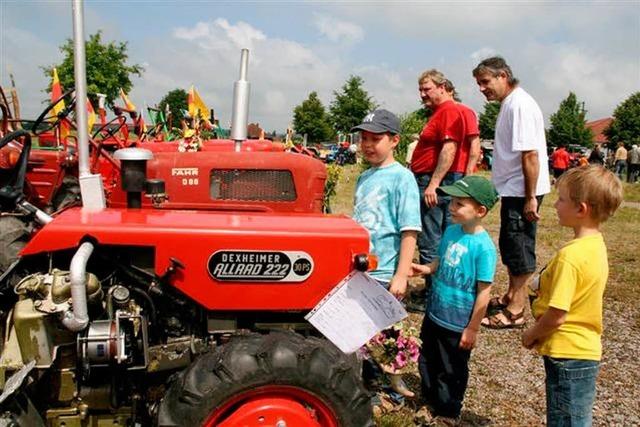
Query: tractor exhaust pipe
77, 319
240, 113
90, 185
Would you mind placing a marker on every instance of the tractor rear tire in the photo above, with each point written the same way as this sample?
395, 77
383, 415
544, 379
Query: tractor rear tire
14, 234
262, 362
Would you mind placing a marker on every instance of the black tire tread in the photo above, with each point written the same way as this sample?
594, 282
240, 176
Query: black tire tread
253, 360
14, 234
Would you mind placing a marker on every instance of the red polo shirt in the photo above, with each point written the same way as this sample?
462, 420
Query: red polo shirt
471, 130
446, 123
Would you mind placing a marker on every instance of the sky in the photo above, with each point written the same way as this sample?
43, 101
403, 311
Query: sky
554, 47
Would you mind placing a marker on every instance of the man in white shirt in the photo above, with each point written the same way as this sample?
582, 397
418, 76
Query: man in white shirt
521, 175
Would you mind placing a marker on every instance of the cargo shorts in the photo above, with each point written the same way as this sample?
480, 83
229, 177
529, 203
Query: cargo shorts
517, 240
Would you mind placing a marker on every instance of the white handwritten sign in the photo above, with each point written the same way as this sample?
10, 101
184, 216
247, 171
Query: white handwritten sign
354, 311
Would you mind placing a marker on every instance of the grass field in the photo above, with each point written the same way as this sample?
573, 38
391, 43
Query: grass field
632, 192
506, 385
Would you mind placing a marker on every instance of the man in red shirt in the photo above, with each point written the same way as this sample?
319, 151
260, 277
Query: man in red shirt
433, 162
560, 160
469, 151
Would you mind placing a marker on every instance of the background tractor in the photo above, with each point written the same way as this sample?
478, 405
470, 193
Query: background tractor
141, 314
217, 176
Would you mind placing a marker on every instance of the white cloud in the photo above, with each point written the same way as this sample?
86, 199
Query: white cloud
483, 53
282, 72
338, 30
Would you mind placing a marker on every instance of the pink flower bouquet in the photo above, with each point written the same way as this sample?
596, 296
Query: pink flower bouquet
396, 349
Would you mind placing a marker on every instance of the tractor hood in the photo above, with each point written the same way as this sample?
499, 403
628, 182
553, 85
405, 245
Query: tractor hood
256, 261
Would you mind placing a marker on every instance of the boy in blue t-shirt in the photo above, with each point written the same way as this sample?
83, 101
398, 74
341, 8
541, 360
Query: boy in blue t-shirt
387, 202
459, 295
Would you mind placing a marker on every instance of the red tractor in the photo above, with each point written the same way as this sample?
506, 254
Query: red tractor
133, 315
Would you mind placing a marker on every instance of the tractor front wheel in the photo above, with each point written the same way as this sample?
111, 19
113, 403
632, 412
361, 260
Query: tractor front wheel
278, 379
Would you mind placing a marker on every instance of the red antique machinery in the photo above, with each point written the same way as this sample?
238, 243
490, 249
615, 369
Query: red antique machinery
136, 315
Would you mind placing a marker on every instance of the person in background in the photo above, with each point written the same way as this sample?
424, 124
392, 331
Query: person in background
596, 157
620, 160
470, 148
633, 168
521, 175
434, 164
465, 160
567, 302
560, 160
582, 161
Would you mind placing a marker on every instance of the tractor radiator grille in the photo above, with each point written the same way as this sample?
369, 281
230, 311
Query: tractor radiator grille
264, 185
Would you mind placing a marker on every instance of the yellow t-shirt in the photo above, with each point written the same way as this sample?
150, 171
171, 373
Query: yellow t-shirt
574, 281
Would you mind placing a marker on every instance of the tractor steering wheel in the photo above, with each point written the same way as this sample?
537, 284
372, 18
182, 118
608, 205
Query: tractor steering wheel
51, 124
109, 132
12, 183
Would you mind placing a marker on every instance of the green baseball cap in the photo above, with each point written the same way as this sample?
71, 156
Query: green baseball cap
477, 187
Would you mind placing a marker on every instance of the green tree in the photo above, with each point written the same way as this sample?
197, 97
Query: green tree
350, 105
177, 101
626, 122
487, 120
411, 125
311, 118
107, 68
568, 124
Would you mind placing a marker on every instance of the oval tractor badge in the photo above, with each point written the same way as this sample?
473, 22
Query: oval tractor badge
260, 266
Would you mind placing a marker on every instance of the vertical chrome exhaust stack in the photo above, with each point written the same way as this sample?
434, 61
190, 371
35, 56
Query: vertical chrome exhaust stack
240, 114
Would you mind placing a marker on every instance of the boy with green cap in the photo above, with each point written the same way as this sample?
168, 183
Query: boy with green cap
462, 277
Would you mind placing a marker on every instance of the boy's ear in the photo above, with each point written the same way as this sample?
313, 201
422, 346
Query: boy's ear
396, 140
584, 209
482, 211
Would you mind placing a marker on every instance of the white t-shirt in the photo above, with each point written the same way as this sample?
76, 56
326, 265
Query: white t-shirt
520, 127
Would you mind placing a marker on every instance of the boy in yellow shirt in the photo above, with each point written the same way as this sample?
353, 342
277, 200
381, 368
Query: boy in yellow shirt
568, 303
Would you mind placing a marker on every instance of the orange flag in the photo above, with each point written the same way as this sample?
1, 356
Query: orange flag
56, 93
127, 103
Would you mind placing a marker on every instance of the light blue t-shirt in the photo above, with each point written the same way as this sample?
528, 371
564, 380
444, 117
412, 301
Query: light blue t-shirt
465, 259
387, 202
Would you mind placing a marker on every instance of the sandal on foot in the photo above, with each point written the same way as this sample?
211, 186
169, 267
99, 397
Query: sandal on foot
496, 304
496, 322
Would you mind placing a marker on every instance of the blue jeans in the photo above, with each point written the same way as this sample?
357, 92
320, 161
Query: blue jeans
435, 219
620, 165
571, 390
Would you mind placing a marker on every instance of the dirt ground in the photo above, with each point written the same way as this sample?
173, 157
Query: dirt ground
506, 386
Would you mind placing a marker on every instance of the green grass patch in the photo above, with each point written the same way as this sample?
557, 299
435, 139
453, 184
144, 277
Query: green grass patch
631, 192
